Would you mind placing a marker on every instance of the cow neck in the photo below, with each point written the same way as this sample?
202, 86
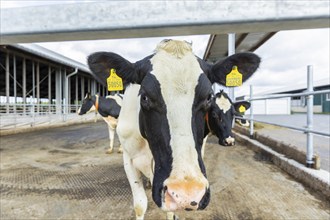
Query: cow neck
97, 102
207, 121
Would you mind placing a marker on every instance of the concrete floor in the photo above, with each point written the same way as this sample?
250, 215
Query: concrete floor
64, 173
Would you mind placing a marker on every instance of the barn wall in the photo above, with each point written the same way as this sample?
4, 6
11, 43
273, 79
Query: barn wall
272, 107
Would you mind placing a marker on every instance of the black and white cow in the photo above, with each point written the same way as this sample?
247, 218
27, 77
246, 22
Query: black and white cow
162, 119
109, 108
220, 117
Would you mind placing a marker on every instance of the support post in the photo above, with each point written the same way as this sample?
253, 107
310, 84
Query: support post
7, 84
24, 85
15, 83
33, 80
310, 103
251, 113
82, 88
231, 51
38, 87
67, 90
58, 87
76, 93
49, 90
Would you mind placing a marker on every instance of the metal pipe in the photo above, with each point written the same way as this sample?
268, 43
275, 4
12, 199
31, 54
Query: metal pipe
251, 113
67, 89
231, 51
290, 95
49, 88
77, 91
15, 82
310, 103
38, 86
24, 85
33, 81
7, 83
286, 126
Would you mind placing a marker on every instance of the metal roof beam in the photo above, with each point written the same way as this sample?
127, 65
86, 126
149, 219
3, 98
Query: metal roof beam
134, 19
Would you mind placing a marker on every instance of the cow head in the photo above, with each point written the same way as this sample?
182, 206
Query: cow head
174, 97
87, 105
221, 117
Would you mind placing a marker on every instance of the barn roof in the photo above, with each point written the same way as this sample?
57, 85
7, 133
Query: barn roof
217, 46
51, 55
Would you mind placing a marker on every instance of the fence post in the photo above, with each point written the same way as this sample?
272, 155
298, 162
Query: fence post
251, 112
310, 103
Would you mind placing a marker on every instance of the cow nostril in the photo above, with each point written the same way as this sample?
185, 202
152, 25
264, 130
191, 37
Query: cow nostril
165, 188
193, 203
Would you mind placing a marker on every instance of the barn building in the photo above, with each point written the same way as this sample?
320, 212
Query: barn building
290, 105
31, 74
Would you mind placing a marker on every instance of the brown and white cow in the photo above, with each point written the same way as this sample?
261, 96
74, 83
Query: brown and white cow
109, 108
162, 119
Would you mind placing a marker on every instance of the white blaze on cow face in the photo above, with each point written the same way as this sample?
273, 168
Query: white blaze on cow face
178, 76
223, 103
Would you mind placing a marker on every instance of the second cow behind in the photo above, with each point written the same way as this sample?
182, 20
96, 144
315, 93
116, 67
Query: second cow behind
109, 108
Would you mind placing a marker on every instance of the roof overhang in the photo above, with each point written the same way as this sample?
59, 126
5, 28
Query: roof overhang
217, 46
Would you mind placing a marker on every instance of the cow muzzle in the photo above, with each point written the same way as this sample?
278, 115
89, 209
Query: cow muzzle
185, 195
229, 141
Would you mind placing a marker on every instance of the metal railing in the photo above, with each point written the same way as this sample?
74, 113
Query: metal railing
309, 94
14, 116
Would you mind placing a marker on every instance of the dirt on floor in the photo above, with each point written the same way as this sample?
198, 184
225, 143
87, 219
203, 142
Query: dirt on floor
64, 173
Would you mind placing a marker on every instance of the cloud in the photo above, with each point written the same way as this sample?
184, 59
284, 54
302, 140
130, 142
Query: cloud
131, 49
284, 57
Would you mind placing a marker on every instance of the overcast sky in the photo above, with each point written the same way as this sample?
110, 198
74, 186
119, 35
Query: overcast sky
284, 57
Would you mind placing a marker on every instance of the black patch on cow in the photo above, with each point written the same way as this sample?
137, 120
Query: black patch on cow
86, 105
205, 200
101, 63
202, 102
220, 122
247, 63
155, 128
108, 107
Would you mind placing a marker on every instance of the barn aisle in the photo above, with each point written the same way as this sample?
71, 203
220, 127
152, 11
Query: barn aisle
64, 173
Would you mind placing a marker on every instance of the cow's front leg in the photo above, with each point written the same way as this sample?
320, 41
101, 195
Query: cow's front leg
203, 146
120, 150
136, 183
111, 139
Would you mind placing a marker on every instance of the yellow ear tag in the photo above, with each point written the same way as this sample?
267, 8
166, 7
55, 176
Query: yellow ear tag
234, 78
115, 83
242, 109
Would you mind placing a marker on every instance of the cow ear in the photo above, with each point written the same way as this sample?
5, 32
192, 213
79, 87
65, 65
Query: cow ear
87, 96
247, 64
241, 106
101, 63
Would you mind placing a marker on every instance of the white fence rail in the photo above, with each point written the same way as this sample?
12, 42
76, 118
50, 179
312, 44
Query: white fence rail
14, 116
309, 94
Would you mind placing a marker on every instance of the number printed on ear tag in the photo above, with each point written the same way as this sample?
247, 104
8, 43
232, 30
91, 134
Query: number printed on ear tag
115, 83
234, 78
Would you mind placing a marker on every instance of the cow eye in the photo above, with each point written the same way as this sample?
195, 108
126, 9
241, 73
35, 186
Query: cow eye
145, 98
145, 101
